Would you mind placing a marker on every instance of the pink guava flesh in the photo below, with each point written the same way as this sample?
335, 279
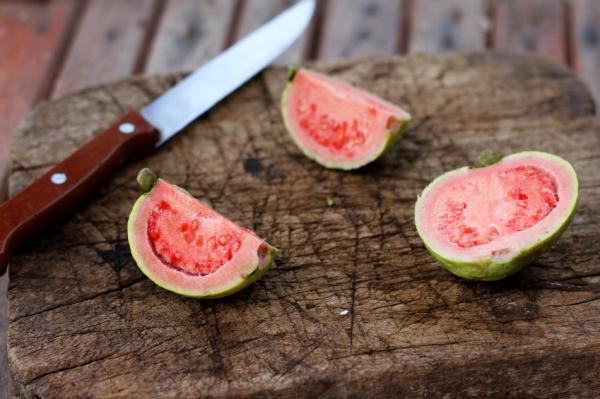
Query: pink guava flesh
338, 124
202, 245
494, 203
187, 247
496, 213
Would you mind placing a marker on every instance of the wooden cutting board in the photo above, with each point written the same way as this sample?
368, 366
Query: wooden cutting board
355, 306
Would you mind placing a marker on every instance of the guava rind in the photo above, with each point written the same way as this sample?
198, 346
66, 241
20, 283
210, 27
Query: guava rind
241, 282
493, 271
488, 269
392, 135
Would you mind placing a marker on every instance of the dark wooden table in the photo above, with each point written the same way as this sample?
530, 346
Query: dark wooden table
54, 47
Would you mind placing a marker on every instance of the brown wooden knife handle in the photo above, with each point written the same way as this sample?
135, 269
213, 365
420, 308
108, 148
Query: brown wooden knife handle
61, 188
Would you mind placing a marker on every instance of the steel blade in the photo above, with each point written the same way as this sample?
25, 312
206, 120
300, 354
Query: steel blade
206, 86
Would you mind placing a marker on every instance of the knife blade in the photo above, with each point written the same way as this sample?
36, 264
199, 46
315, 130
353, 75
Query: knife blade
66, 184
201, 90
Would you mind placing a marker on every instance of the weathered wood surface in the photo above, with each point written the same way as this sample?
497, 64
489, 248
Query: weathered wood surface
255, 13
5, 382
31, 40
534, 26
190, 32
32, 37
355, 307
368, 28
108, 43
448, 25
585, 45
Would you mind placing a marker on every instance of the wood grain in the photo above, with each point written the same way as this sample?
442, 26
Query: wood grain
531, 26
32, 36
5, 381
106, 45
366, 28
256, 12
355, 307
42, 203
586, 43
190, 33
448, 25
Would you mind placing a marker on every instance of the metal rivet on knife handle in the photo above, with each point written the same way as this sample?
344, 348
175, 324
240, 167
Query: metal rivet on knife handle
127, 128
58, 178
48, 198
65, 185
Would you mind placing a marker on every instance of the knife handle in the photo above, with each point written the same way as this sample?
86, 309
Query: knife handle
60, 189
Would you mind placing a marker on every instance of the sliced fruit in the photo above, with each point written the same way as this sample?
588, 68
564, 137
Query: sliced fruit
188, 248
488, 222
338, 125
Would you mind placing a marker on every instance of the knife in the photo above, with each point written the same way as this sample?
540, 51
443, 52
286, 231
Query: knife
139, 132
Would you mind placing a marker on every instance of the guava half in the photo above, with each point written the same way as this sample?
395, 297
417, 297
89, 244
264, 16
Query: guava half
188, 248
488, 222
338, 125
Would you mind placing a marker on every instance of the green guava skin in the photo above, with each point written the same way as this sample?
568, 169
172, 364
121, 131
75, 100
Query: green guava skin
392, 135
488, 269
242, 282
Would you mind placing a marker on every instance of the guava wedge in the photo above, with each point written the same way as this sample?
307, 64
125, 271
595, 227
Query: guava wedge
188, 248
488, 222
338, 125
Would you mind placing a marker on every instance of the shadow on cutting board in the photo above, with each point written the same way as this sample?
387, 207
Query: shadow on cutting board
5, 382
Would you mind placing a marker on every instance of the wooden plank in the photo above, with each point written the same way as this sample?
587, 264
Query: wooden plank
360, 28
448, 25
190, 32
355, 306
32, 37
586, 44
534, 26
107, 44
5, 382
256, 12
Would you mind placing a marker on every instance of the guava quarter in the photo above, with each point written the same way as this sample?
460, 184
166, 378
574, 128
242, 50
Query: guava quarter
188, 248
488, 222
338, 125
